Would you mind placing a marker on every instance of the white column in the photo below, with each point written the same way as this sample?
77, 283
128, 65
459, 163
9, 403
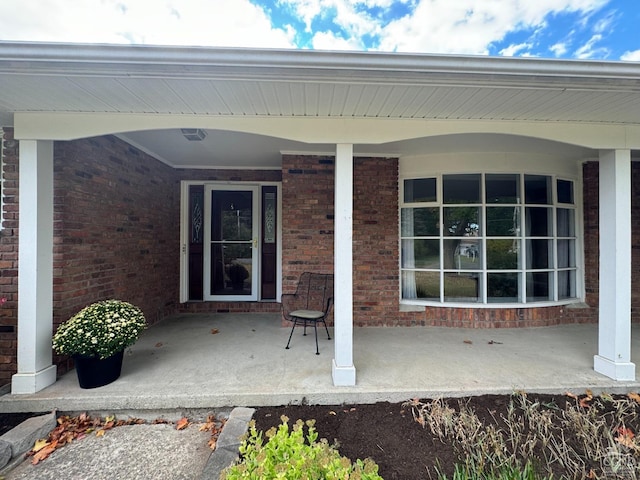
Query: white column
614, 322
35, 268
344, 372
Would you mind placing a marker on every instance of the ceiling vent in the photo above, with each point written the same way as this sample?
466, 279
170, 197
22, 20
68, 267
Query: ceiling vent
194, 134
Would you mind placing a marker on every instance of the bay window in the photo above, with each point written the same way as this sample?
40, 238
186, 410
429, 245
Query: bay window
488, 238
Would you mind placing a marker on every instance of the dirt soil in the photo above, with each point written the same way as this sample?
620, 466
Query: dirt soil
388, 433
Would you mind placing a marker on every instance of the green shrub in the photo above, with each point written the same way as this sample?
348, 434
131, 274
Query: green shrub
295, 455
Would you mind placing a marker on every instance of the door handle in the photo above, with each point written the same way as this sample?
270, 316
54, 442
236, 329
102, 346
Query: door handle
255, 243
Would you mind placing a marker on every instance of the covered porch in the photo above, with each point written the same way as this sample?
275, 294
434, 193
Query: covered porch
198, 361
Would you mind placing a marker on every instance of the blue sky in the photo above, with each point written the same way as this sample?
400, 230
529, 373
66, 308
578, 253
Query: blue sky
570, 29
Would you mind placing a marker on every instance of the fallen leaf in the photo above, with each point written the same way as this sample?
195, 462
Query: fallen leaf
625, 437
182, 423
40, 444
69, 429
212, 443
468, 342
584, 402
634, 396
158, 345
571, 395
214, 331
42, 454
331, 412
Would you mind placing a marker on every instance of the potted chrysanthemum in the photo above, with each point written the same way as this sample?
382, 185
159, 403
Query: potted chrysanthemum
96, 337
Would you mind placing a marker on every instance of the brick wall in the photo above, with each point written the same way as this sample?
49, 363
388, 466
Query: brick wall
591, 222
308, 236
375, 241
116, 228
307, 217
9, 257
308, 245
635, 243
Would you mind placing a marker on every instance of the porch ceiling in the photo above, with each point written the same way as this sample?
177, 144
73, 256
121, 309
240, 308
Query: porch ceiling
75, 78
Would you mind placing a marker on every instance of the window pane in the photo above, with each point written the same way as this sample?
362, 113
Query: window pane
461, 188
565, 191
566, 253
538, 221
503, 221
503, 254
539, 254
566, 222
502, 188
463, 254
421, 285
566, 284
461, 221
420, 253
420, 222
461, 287
539, 287
420, 190
231, 215
502, 287
537, 189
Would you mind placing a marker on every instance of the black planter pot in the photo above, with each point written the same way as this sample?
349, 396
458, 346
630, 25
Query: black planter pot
95, 372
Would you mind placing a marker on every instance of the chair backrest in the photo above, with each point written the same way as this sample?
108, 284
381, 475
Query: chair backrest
317, 290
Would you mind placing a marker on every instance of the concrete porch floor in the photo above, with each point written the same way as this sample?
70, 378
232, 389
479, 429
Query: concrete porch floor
180, 364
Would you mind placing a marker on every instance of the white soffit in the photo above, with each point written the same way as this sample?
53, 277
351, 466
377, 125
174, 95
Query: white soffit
38, 77
198, 82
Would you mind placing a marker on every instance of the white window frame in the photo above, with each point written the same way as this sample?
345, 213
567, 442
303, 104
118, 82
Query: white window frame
522, 271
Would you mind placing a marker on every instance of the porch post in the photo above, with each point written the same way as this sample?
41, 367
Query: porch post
344, 372
614, 322
35, 268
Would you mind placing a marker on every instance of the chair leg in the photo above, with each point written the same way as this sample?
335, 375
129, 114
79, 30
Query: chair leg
315, 328
295, 321
325, 327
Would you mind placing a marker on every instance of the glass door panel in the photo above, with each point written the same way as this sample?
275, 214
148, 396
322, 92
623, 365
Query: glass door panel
232, 243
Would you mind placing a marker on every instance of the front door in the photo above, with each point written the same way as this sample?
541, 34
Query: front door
231, 242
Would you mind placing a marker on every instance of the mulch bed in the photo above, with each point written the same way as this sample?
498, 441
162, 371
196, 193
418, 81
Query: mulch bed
10, 420
388, 433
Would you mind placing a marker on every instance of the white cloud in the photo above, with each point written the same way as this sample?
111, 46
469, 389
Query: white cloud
433, 26
559, 49
468, 26
512, 50
350, 15
177, 22
631, 56
329, 41
591, 50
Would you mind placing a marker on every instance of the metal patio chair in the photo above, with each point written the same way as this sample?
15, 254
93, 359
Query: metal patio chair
311, 303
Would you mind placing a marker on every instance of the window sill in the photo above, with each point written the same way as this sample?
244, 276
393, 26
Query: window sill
418, 306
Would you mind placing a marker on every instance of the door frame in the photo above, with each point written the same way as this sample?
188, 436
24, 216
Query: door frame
184, 236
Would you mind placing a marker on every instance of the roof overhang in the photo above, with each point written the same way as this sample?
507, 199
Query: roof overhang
294, 94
